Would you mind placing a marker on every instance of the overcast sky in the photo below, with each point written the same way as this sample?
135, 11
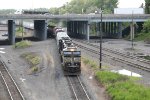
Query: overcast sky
29, 4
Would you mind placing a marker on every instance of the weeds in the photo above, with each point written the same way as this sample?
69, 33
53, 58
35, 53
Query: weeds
33, 60
22, 44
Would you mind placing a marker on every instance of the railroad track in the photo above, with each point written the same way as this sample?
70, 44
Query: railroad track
118, 59
11, 86
116, 52
79, 92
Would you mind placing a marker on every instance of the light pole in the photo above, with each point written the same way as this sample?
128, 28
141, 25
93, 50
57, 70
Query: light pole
100, 32
132, 32
100, 28
22, 29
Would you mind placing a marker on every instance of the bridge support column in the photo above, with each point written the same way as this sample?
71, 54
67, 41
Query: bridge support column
81, 28
71, 28
68, 28
40, 29
88, 30
111, 28
115, 28
132, 30
106, 28
11, 31
96, 29
103, 28
119, 30
75, 28
105, 32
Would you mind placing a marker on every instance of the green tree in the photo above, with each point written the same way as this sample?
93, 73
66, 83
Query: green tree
146, 26
7, 11
147, 6
86, 6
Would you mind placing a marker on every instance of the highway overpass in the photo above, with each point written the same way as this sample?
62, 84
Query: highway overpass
77, 24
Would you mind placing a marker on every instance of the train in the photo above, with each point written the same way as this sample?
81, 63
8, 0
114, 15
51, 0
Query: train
70, 55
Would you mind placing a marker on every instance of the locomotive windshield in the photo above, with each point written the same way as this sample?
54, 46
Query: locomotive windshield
74, 53
77, 53
67, 54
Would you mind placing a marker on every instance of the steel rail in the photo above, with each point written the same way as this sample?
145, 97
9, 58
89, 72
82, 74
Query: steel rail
74, 88
116, 58
83, 88
116, 52
4, 66
6, 85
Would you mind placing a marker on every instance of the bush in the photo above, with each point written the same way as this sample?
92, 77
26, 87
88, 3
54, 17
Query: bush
34, 69
146, 27
33, 60
22, 44
142, 37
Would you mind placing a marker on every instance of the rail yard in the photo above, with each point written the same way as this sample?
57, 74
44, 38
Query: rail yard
75, 50
50, 82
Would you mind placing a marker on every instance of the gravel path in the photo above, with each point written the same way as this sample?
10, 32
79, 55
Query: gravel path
50, 83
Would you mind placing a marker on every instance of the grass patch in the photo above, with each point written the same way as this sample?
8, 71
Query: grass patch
107, 77
143, 37
147, 57
34, 69
122, 87
22, 44
33, 59
90, 63
140, 37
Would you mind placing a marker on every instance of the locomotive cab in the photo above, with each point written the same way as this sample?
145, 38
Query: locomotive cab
71, 61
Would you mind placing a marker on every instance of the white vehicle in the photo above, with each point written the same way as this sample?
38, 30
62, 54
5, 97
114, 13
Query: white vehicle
18, 12
128, 11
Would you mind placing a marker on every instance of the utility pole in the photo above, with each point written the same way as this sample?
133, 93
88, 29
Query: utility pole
22, 29
132, 32
100, 27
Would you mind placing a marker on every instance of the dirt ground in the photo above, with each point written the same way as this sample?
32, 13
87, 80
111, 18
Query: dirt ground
49, 83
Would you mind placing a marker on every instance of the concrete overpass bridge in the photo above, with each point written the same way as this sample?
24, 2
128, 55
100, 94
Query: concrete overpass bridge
77, 24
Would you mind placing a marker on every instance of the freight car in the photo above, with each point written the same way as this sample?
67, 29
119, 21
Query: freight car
69, 54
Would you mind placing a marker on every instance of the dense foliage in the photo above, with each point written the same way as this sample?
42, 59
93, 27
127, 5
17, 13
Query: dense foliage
146, 26
147, 6
86, 6
7, 11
